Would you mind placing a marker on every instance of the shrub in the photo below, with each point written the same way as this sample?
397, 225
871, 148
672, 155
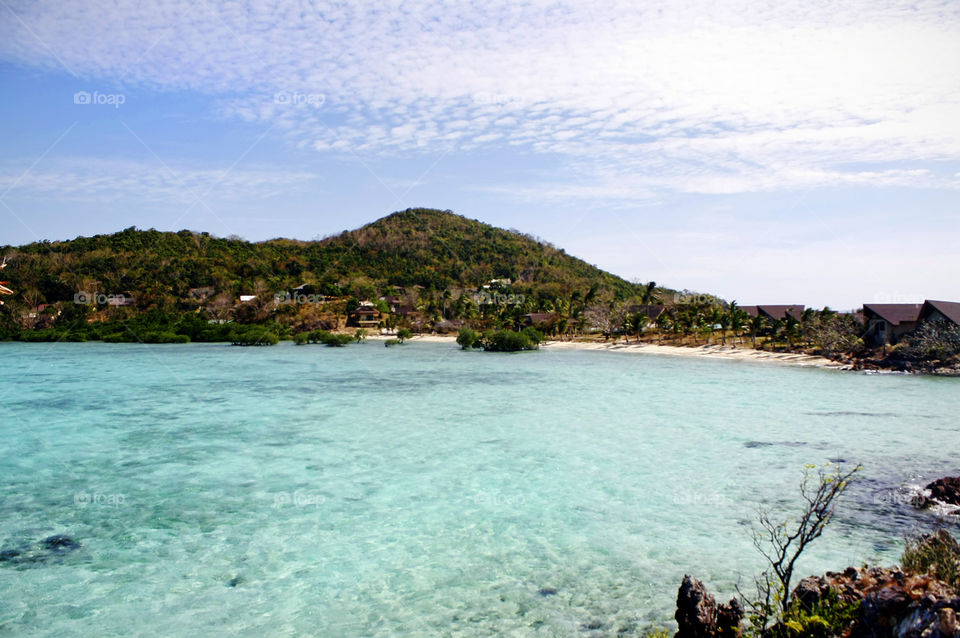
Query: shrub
403, 334
932, 340
300, 339
392, 342
468, 338
507, 341
937, 554
335, 340
829, 617
253, 335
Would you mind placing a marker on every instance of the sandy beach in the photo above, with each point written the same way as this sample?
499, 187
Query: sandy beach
710, 352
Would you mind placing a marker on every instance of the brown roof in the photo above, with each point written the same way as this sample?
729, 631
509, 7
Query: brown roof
949, 309
781, 312
539, 317
750, 310
650, 310
893, 313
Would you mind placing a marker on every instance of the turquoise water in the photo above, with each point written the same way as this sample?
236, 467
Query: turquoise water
421, 490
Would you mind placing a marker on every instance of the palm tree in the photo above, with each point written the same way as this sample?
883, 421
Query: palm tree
663, 323
738, 319
724, 326
640, 322
649, 296
756, 324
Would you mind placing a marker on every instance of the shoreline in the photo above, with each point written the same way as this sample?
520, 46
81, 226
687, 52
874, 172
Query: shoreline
710, 352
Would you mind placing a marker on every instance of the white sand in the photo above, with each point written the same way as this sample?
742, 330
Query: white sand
713, 352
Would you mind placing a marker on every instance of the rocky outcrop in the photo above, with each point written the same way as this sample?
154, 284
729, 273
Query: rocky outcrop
699, 616
895, 604
946, 490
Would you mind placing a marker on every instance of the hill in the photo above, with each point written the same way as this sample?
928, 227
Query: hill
430, 248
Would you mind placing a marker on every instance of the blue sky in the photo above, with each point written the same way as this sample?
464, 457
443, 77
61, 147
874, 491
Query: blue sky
766, 152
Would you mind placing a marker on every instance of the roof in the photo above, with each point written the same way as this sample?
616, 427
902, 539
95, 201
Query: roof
949, 309
781, 312
750, 310
893, 313
650, 310
539, 317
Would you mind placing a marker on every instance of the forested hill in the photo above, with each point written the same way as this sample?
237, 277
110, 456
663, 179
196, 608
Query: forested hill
431, 248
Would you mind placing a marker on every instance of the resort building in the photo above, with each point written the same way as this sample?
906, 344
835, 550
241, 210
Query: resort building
365, 315
776, 312
947, 311
887, 322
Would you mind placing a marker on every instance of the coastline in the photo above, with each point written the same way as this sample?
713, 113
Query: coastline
710, 352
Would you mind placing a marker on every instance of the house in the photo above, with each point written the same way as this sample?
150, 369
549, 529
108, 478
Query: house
652, 311
887, 322
118, 301
365, 315
246, 298
448, 325
780, 313
947, 311
538, 320
393, 302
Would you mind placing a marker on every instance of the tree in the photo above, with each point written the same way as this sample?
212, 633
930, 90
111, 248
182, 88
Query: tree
756, 324
403, 334
782, 543
359, 335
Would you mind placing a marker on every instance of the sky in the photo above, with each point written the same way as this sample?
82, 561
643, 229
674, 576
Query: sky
767, 152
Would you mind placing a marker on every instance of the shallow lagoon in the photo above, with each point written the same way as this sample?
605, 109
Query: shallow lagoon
421, 490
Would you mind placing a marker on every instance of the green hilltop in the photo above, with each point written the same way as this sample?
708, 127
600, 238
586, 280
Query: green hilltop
435, 260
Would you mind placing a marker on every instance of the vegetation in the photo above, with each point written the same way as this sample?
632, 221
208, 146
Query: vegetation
511, 341
829, 617
468, 338
783, 542
937, 554
933, 340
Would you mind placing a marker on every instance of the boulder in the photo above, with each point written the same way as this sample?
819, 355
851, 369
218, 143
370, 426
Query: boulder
699, 616
696, 610
946, 490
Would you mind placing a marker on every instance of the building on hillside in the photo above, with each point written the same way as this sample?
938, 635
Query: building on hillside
365, 315
887, 322
246, 298
393, 302
947, 311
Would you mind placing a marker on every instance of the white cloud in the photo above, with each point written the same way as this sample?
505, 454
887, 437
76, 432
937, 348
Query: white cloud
638, 98
98, 180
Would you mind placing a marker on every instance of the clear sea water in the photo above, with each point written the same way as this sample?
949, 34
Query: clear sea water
421, 490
